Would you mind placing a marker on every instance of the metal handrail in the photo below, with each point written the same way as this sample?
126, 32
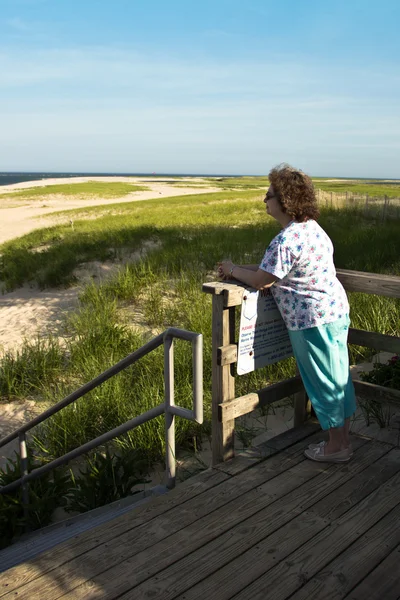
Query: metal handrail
168, 407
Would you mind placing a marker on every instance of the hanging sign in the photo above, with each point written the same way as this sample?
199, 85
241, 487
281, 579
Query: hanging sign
263, 336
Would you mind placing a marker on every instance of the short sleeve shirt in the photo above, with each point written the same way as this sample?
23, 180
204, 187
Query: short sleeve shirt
308, 293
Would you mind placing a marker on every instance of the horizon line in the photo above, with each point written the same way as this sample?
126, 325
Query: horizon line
161, 174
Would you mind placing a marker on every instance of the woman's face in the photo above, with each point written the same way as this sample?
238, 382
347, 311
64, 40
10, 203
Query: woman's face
272, 202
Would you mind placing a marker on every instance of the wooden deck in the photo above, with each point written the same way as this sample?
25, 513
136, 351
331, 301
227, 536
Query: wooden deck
273, 528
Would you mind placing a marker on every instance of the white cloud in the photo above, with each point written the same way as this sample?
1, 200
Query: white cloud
80, 105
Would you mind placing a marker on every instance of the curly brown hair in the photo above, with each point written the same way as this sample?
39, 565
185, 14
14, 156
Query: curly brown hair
295, 192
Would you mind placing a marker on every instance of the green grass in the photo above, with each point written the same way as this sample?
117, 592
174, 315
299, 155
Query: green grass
90, 188
162, 289
372, 187
360, 188
239, 183
124, 227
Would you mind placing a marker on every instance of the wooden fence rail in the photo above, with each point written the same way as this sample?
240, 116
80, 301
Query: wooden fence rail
226, 296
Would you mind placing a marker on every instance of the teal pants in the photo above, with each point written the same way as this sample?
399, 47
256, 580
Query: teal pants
322, 358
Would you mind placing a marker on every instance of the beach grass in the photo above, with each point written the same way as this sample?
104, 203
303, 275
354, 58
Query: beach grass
178, 242
95, 189
375, 189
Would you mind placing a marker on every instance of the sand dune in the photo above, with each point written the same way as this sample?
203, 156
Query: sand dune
25, 216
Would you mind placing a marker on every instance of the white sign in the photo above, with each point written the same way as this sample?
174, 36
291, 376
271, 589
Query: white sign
263, 336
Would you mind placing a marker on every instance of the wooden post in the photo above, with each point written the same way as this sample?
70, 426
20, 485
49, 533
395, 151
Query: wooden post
385, 208
300, 406
223, 382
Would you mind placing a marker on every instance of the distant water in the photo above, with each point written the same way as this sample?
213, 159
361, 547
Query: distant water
9, 178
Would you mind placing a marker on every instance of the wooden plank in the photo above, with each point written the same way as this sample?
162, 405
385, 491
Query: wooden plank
223, 382
224, 288
286, 578
276, 444
371, 339
360, 486
186, 578
78, 545
231, 291
378, 393
366, 454
227, 355
206, 510
383, 583
234, 296
272, 393
263, 555
292, 436
302, 408
245, 459
248, 540
348, 569
213, 287
139, 534
130, 567
352, 281
300, 403
369, 283
209, 528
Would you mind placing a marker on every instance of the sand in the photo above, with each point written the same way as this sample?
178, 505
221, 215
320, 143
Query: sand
24, 216
26, 312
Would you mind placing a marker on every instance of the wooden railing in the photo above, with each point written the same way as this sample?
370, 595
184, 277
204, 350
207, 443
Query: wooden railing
226, 407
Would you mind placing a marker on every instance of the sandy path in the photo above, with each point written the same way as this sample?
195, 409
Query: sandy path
26, 311
24, 216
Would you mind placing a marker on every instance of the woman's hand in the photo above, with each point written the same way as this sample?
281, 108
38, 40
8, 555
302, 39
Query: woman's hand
224, 269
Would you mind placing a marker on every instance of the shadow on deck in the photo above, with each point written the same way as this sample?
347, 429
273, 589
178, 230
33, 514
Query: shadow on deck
268, 525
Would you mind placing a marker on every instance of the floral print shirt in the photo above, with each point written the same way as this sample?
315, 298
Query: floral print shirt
308, 293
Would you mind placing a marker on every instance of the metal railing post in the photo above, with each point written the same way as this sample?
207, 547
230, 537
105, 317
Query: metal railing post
198, 378
24, 471
168, 407
169, 416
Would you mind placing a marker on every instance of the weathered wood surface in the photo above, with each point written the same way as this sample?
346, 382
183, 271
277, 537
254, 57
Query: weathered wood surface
377, 393
223, 381
382, 582
369, 283
300, 404
283, 527
227, 355
232, 292
242, 405
78, 545
352, 281
379, 341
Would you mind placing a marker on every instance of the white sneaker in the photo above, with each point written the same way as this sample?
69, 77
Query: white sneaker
323, 444
318, 455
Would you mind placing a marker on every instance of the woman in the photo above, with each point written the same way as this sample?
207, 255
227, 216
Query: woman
298, 267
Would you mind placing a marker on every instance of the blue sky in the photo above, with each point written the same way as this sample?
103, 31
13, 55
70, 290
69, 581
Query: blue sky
216, 86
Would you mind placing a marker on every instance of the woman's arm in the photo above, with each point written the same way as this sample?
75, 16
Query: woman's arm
257, 279
249, 267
